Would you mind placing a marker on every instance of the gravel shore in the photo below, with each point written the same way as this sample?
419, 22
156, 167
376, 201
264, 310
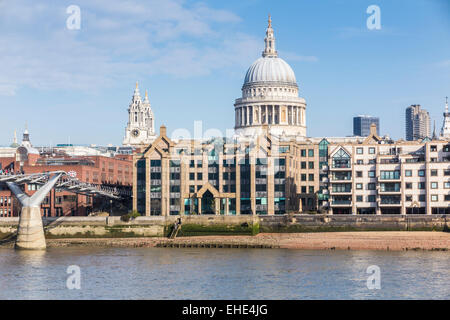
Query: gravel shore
389, 240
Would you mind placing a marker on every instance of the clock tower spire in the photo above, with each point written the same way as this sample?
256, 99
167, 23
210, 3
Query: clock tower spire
140, 127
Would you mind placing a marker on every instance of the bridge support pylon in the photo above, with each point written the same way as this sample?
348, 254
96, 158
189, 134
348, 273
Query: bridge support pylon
30, 232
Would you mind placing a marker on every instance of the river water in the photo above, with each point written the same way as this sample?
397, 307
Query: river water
164, 273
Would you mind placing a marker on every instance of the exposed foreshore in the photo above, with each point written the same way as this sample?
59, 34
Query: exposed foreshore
371, 240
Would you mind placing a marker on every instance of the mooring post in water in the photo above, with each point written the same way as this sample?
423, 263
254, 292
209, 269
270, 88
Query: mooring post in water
30, 233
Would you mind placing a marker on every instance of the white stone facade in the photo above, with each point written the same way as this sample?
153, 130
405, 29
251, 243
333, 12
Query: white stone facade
445, 131
270, 97
140, 128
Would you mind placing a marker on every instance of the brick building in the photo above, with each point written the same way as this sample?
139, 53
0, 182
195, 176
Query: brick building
95, 169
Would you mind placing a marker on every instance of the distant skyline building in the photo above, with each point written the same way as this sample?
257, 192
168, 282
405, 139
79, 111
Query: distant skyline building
417, 123
361, 125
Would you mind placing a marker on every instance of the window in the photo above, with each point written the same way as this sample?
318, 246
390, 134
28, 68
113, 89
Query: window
390, 187
446, 172
421, 185
434, 197
408, 173
192, 164
199, 163
421, 197
155, 163
191, 189
359, 198
303, 177
310, 152
371, 186
371, 174
359, 161
303, 189
359, 174
389, 175
408, 185
155, 175
372, 161
447, 185
311, 165
433, 148
447, 197
341, 159
408, 198
434, 185
303, 152
311, 189
303, 164
371, 150
199, 176
359, 186
311, 177
342, 187
191, 176
371, 198
421, 173
359, 150
433, 173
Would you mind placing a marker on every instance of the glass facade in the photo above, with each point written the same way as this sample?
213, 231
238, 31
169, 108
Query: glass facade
141, 185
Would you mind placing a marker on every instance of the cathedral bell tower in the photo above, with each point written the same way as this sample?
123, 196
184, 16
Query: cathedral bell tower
140, 128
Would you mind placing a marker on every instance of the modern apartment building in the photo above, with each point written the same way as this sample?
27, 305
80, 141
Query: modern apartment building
417, 123
399, 178
266, 176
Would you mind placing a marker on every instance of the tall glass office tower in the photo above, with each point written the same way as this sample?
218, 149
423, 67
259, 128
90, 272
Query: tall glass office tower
361, 125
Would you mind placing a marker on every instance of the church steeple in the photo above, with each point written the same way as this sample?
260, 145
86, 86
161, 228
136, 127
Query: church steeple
445, 131
26, 137
136, 95
269, 40
140, 124
146, 101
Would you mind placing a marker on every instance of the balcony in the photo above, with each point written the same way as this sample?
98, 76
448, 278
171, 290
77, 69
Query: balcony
341, 203
341, 167
387, 201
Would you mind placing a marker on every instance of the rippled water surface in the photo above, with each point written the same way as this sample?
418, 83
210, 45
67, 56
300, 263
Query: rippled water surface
162, 273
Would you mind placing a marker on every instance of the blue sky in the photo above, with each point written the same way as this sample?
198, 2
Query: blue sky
75, 85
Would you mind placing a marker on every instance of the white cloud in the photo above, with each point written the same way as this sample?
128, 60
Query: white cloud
116, 39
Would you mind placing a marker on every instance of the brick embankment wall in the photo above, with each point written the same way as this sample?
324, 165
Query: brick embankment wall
327, 223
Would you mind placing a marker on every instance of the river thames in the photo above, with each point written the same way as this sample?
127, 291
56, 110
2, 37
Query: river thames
161, 273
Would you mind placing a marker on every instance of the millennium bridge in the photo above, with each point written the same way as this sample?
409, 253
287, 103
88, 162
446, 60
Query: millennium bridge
30, 232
